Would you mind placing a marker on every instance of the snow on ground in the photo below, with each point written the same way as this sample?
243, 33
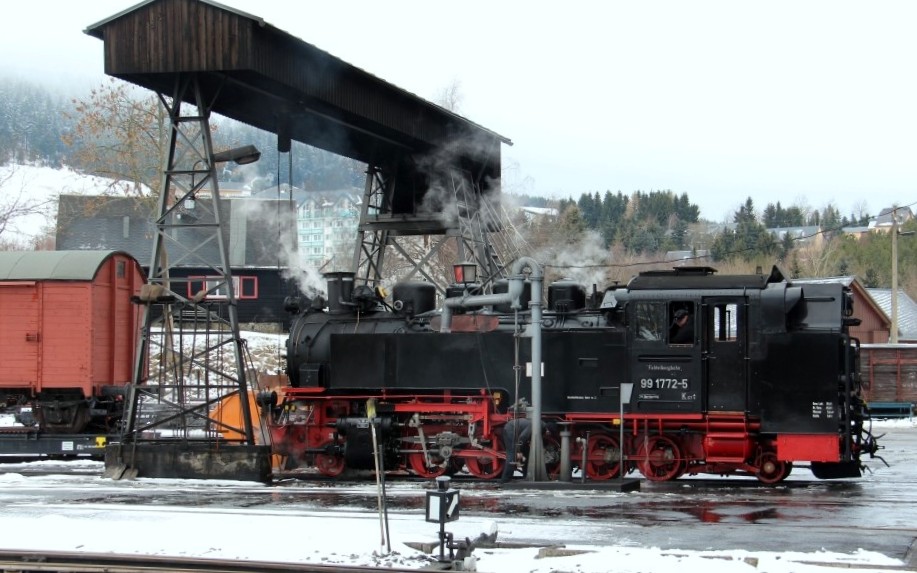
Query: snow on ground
297, 533
353, 538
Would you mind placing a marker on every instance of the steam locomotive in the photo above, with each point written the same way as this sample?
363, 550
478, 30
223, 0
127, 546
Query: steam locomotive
766, 378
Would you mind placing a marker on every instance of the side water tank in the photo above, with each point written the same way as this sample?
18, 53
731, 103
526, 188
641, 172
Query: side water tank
566, 296
502, 286
414, 297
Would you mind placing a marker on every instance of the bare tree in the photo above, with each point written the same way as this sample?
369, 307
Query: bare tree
16, 203
860, 210
450, 97
819, 258
120, 134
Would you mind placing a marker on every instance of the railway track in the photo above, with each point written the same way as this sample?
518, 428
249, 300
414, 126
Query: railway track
13, 561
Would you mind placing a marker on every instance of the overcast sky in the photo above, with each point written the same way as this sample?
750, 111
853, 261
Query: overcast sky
802, 102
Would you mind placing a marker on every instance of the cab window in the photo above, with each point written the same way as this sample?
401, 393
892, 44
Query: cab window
650, 321
681, 322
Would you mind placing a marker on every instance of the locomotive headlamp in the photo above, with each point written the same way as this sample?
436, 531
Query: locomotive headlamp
465, 273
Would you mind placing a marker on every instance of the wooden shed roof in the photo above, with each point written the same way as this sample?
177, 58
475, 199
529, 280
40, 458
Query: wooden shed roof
52, 265
258, 74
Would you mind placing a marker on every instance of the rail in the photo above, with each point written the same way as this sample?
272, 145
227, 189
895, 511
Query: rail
18, 561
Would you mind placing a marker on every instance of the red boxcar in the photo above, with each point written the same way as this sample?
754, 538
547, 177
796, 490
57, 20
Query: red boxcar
68, 334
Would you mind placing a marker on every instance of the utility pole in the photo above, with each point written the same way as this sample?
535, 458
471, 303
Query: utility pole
893, 335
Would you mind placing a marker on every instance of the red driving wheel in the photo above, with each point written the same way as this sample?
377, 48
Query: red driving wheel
329, 464
603, 457
418, 463
660, 459
486, 463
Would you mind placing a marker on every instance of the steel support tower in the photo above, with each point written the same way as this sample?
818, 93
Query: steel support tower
478, 225
191, 359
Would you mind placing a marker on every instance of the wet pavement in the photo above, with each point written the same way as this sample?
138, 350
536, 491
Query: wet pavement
876, 512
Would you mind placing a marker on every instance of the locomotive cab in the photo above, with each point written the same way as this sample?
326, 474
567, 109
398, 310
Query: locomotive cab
664, 364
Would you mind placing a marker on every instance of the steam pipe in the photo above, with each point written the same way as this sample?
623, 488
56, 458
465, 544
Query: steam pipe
465, 301
536, 467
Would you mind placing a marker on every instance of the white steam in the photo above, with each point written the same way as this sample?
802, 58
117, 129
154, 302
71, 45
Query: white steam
585, 261
279, 247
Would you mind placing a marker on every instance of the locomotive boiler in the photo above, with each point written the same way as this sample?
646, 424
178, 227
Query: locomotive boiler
764, 377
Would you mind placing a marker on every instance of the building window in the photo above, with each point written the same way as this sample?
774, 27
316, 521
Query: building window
248, 286
245, 287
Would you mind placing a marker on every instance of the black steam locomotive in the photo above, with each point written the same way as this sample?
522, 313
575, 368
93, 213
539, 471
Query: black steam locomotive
761, 375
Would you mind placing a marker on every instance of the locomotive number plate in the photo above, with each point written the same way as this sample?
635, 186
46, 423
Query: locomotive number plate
664, 383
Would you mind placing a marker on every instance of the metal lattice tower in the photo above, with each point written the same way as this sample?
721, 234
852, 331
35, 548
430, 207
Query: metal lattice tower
369, 254
191, 356
487, 236
478, 226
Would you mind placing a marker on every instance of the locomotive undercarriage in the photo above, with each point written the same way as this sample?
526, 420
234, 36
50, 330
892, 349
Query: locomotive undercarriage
430, 436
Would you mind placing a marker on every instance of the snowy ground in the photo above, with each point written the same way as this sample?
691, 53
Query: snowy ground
247, 521
348, 538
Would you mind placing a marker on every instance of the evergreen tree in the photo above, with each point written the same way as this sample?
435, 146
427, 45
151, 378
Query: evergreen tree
775, 216
746, 213
614, 209
842, 268
679, 235
771, 215
570, 225
871, 279
786, 246
795, 268
686, 211
831, 218
590, 208
748, 240
32, 121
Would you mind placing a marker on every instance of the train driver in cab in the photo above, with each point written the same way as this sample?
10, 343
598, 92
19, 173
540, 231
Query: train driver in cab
682, 331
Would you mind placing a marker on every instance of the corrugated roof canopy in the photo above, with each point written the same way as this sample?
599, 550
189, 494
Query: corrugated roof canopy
51, 265
263, 76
